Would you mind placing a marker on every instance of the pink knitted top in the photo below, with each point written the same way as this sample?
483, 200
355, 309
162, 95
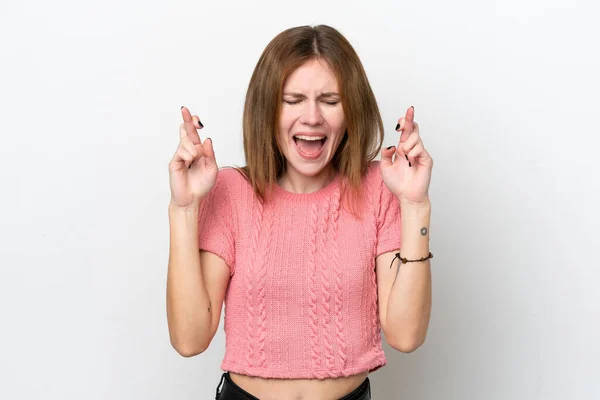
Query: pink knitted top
302, 297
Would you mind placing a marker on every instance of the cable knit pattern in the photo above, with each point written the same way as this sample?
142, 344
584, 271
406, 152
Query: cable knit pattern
373, 196
326, 291
261, 288
314, 322
250, 302
377, 208
302, 296
338, 304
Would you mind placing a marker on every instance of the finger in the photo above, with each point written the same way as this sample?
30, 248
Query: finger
386, 156
400, 124
408, 124
197, 123
188, 124
410, 117
411, 142
194, 150
182, 132
416, 152
414, 132
182, 155
404, 148
209, 154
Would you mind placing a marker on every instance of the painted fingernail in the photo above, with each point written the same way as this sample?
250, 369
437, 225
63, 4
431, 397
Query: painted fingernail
390, 147
182, 107
209, 139
406, 158
413, 107
397, 126
200, 123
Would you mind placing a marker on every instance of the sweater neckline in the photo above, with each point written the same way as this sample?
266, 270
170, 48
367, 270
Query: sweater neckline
322, 193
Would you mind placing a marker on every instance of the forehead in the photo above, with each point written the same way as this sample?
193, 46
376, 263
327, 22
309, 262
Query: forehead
314, 75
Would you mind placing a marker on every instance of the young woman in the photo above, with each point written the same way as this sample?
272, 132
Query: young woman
304, 244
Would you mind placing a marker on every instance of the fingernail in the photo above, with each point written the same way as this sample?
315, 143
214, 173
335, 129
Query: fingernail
397, 126
409, 164
407, 158
209, 139
182, 107
390, 147
413, 107
200, 123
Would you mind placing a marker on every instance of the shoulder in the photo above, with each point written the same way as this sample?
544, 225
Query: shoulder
227, 193
230, 178
372, 178
230, 175
375, 166
232, 184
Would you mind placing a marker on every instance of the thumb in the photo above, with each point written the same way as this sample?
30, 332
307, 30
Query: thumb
386, 156
209, 154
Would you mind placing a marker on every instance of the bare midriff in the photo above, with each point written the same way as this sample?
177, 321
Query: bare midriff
298, 389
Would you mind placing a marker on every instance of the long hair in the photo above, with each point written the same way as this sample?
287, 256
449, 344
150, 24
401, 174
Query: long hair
265, 163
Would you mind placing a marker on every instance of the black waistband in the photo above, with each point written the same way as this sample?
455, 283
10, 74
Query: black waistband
231, 391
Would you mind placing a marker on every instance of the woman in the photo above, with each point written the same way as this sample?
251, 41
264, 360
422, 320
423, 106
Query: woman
301, 244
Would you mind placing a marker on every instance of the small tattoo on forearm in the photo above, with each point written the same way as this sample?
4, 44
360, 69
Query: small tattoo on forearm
423, 231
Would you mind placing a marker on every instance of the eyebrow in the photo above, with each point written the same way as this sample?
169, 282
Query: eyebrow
300, 95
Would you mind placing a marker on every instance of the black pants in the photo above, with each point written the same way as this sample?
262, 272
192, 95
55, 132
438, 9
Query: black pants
231, 391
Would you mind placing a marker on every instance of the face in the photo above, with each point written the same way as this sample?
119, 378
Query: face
311, 125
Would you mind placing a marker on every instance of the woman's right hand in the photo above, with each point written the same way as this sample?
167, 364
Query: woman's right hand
193, 169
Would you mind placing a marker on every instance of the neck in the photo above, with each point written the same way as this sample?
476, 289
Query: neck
295, 182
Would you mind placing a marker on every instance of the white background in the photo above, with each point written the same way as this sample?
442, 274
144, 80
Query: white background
506, 94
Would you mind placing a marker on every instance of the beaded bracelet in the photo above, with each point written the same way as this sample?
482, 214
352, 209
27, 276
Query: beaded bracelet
404, 260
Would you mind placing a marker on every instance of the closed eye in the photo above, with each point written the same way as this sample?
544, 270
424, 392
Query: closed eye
331, 103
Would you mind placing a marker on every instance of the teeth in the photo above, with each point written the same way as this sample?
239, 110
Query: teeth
311, 138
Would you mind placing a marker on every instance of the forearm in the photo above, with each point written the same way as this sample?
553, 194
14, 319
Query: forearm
187, 297
409, 301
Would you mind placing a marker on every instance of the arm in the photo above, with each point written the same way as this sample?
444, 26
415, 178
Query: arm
196, 285
405, 291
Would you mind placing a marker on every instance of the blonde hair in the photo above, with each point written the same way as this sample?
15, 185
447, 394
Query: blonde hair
290, 49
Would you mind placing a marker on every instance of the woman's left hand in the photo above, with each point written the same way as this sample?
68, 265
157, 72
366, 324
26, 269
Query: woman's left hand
408, 175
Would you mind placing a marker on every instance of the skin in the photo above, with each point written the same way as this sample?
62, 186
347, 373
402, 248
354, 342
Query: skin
311, 104
404, 293
307, 107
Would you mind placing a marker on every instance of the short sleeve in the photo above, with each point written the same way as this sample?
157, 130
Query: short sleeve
215, 229
389, 222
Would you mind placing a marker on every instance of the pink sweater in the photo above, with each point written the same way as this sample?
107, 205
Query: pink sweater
302, 298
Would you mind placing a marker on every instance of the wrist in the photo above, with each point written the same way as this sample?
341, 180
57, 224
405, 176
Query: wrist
192, 208
415, 216
424, 204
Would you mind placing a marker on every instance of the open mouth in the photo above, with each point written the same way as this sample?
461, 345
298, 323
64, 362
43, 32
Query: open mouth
309, 146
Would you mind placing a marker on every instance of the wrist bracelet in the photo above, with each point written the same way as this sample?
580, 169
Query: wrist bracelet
404, 260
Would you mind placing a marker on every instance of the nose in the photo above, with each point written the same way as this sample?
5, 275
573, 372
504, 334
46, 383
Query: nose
311, 114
